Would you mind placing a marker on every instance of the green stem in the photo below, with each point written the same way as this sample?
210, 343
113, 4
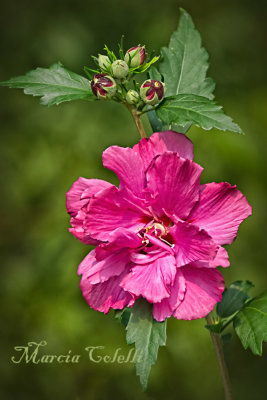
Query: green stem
217, 342
137, 120
147, 110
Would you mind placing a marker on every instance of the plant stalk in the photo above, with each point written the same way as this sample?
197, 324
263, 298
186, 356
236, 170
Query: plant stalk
137, 120
217, 342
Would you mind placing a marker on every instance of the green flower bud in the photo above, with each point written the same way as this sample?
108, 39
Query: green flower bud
119, 69
132, 97
103, 62
137, 55
152, 91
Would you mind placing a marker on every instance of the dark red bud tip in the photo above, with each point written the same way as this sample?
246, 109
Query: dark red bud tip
103, 85
152, 91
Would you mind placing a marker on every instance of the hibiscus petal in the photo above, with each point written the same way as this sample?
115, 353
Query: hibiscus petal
160, 142
127, 165
165, 308
119, 239
106, 295
104, 215
78, 230
204, 289
151, 280
220, 211
96, 271
141, 258
75, 196
220, 260
192, 244
174, 184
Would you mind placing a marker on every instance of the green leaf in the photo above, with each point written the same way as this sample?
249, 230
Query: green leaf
234, 298
55, 84
185, 62
123, 316
148, 335
251, 324
156, 124
188, 108
154, 73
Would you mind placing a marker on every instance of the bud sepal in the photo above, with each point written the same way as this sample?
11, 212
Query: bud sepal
104, 62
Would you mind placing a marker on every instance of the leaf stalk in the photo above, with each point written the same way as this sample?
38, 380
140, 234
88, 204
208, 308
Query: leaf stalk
217, 342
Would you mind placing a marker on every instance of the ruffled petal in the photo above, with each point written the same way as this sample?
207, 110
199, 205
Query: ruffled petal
173, 183
96, 271
106, 295
160, 142
81, 191
220, 211
165, 308
119, 240
220, 260
78, 230
104, 215
78, 198
127, 165
192, 244
204, 289
151, 280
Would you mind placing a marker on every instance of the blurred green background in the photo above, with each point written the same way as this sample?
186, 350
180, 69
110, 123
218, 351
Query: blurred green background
43, 150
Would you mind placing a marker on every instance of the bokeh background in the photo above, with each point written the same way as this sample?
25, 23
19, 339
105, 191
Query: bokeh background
43, 150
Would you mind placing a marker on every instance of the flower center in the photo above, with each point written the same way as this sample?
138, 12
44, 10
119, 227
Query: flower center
156, 234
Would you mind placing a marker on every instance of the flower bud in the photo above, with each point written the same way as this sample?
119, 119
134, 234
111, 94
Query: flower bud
103, 86
120, 69
137, 55
103, 61
132, 97
152, 91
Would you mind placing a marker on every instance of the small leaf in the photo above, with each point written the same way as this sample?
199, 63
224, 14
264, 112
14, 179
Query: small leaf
234, 298
155, 122
226, 338
216, 327
251, 324
188, 108
123, 316
148, 64
55, 84
148, 335
185, 62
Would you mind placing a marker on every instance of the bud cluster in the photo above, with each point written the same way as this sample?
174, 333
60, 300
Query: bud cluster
114, 75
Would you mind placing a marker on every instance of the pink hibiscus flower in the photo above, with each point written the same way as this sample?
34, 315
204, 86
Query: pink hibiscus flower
160, 234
